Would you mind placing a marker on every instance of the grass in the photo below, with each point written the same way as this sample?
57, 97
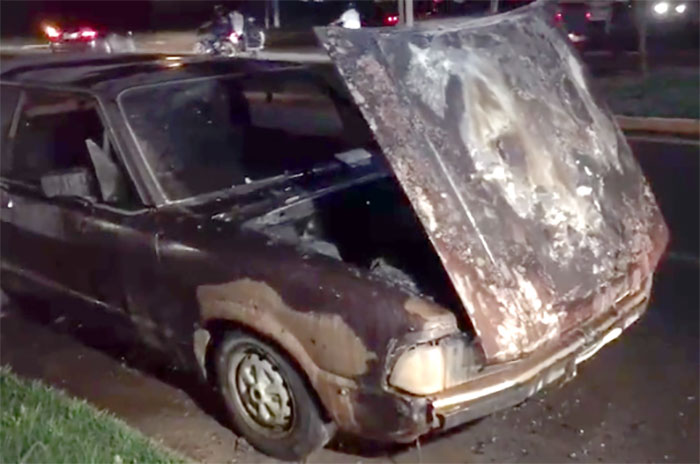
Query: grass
43, 425
669, 93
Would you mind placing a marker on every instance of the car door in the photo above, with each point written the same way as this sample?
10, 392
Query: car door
54, 234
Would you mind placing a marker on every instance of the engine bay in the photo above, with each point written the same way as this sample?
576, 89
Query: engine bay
370, 225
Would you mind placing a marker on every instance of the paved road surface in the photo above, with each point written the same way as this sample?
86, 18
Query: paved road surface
636, 401
600, 62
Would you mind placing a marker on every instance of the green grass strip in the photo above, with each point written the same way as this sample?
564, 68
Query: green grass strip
39, 424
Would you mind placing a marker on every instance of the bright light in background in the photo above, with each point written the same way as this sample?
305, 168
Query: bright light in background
575, 38
52, 32
680, 9
661, 8
88, 34
588, 15
173, 58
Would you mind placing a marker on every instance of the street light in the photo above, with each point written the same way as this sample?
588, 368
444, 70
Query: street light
661, 8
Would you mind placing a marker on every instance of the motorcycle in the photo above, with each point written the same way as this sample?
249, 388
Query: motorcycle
252, 39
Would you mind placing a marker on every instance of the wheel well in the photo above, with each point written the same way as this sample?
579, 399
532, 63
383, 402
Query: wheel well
219, 327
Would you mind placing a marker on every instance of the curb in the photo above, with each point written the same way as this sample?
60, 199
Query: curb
676, 126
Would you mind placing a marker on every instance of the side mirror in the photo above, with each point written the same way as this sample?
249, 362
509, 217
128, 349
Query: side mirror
76, 182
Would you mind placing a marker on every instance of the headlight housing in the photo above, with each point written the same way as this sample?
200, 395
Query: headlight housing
433, 367
420, 370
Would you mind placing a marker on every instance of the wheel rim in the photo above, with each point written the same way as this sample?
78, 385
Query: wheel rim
262, 391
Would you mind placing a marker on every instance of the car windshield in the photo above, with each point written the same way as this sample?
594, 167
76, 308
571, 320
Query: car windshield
208, 134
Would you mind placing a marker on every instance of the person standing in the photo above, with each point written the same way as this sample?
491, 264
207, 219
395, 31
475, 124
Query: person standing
350, 18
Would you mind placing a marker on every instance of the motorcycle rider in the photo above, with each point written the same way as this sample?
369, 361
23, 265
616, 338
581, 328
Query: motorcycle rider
237, 22
350, 18
221, 25
228, 33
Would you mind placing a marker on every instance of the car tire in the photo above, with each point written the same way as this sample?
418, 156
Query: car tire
268, 400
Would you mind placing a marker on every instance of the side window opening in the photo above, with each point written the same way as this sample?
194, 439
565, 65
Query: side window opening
51, 143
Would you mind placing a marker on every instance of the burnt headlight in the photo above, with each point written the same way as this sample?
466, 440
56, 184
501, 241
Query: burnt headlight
433, 367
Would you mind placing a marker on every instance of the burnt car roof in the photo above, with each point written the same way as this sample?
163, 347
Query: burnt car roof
108, 75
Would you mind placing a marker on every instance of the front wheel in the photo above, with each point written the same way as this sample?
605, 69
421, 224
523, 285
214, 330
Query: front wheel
228, 49
201, 49
268, 400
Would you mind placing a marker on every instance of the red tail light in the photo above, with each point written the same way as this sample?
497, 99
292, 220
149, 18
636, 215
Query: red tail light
588, 15
88, 34
558, 16
391, 20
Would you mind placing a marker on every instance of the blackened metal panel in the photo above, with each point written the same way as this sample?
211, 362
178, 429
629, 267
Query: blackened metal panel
524, 183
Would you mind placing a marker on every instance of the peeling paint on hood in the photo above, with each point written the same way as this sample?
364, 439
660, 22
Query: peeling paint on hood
520, 176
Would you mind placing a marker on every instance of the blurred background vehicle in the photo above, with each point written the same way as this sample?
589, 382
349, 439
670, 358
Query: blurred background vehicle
83, 37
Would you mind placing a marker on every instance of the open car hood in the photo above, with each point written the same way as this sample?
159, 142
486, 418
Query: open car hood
519, 174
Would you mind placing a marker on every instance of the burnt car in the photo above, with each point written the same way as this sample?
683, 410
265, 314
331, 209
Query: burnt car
435, 227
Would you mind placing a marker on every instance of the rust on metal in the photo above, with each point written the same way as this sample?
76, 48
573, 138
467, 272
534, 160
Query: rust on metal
325, 338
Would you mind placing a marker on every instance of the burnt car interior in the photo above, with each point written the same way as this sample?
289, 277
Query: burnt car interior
65, 149
204, 135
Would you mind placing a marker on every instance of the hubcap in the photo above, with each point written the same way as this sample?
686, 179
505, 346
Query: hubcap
262, 391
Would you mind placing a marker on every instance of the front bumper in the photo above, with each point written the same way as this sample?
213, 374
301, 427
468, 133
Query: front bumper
76, 46
510, 384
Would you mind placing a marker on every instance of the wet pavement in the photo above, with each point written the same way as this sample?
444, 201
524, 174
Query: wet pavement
635, 401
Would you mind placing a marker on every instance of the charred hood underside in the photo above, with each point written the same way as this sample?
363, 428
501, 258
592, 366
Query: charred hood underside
518, 173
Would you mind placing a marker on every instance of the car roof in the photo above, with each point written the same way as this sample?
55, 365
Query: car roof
108, 75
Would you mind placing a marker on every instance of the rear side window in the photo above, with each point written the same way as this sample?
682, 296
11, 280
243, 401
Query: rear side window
50, 135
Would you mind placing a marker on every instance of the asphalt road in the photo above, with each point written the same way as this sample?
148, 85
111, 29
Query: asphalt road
636, 401
601, 63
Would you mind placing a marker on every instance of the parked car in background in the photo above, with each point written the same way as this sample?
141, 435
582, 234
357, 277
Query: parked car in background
386, 13
388, 246
81, 37
574, 17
